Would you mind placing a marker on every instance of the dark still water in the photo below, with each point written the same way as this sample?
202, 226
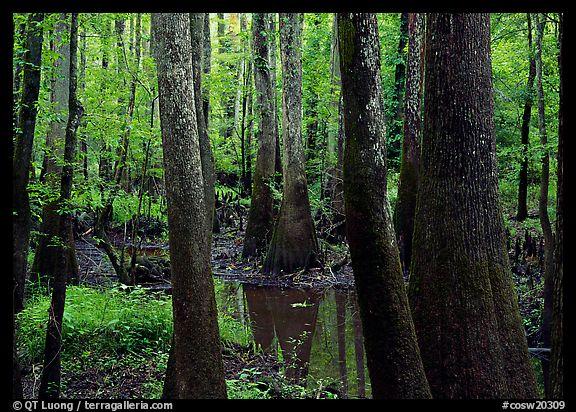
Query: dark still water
317, 334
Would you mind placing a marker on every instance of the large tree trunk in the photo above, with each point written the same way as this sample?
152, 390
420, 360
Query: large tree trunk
556, 387
199, 370
47, 256
294, 245
50, 381
21, 175
394, 363
197, 26
408, 183
23, 155
522, 213
464, 305
260, 218
395, 122
543, 202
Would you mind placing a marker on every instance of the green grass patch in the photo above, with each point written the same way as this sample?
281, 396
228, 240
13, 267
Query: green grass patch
110, 322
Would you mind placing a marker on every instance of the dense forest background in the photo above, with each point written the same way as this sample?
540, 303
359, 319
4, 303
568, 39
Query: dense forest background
107, 66
118, 194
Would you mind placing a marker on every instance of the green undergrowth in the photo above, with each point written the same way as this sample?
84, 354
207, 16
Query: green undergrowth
124, 331
116, 321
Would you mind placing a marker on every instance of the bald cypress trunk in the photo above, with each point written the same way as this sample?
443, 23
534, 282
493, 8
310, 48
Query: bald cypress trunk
23, 154
294, 245
199, 371
392, 353
464, 305
207, 160
408, 183
522, 213
28, 111
260, 219
47, 256
50, 380
557, 336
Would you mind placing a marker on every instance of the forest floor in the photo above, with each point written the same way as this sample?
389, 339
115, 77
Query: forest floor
249, 372
130, 377
227, 264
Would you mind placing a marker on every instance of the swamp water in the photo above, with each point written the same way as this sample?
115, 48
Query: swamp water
317, 334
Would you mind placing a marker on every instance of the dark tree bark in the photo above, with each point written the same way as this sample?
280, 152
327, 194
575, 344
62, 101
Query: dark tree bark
50, 380
408, 182
394, 362
260, 218
199, 371
28, 111
525, 131
294, 245
207, 161
47, 256
464, 305
545, 329
23, 155
556, 388
395, 123
206, 67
